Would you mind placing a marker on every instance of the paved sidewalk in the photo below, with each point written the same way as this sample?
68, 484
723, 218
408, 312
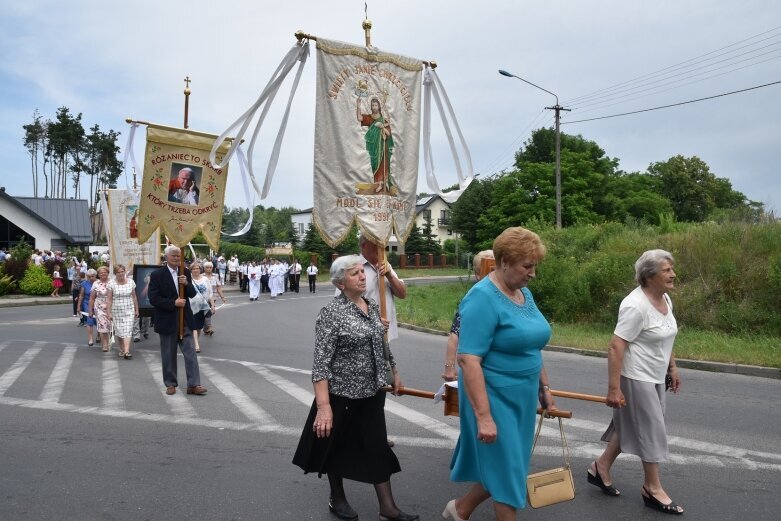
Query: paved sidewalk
14, 301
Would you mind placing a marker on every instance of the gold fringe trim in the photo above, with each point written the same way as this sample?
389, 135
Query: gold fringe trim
353, 222
184, 138
344, 49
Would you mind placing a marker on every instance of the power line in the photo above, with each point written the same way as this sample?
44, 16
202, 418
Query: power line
512, 147
674, 104
606, 103
686, 75
675, 66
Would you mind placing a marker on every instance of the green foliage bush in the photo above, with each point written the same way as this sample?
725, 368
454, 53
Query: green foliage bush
36, 281
243, 252
729, 275
7, 284
22, 250
16, 268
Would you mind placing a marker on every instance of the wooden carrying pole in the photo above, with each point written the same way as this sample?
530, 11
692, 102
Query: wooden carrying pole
451, 401
187, 92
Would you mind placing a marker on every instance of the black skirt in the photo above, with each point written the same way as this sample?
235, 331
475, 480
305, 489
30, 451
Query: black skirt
357, 448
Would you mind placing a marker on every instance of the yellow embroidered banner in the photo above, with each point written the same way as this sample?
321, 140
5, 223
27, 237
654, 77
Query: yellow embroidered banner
182, 193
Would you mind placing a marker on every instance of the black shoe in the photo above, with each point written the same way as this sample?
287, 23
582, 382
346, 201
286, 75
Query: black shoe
342, 510
608, 490
651, 502
400, 517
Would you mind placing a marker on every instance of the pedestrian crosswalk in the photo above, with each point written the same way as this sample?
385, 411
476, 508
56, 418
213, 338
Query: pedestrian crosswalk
263, 398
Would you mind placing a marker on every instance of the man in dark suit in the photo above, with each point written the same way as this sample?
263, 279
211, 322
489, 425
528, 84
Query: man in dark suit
164, 296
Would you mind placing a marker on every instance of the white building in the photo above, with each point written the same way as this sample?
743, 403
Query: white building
46, 224
301, 222
435, 208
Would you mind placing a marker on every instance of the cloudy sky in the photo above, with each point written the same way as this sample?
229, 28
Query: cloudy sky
111, 60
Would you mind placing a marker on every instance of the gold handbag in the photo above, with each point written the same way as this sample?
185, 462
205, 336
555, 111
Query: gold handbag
549, 487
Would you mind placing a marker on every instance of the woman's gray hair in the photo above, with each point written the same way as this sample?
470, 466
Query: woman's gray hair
208, 264
92, 272
647, 266
341, 265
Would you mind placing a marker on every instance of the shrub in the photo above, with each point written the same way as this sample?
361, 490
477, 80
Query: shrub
243, 252
16, 267
22, 251
7, 284
36, 281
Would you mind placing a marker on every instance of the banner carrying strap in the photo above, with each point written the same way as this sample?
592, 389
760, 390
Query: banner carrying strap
299, 53
432, 85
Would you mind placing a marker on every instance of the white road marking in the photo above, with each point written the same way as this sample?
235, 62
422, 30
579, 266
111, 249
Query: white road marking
113, 398
422, 420
9, 377
239, 398
139, 415
52, 391
178, 403
297, 392
712, 454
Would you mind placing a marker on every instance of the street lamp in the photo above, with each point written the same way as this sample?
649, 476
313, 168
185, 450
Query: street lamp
557, 108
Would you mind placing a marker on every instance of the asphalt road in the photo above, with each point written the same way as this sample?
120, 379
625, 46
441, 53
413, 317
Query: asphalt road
87, 436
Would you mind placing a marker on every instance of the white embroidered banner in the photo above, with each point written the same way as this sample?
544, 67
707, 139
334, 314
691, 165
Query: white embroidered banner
367, 140
120, 207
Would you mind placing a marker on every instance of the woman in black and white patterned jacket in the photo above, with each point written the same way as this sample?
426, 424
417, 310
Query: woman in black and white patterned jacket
345, 434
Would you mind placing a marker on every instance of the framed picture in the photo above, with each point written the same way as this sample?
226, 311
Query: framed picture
141, 274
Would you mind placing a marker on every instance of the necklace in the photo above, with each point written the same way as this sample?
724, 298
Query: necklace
515, 296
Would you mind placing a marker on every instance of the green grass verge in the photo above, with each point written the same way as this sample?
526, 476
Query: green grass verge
432, 306
409, 273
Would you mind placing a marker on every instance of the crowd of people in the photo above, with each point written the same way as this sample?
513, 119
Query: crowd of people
494, 352
273, 276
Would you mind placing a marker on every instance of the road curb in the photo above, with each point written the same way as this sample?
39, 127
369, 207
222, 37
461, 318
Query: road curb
699, 365
17, 303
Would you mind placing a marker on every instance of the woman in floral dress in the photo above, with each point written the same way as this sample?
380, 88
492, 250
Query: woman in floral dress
123, 309
98, 306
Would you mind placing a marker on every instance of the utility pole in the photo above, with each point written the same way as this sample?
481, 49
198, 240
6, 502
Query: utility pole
557, 108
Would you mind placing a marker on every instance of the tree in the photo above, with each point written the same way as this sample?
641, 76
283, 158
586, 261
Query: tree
430, 242
415, 242
35, 143
466, 211
693, 190
313, 242
66, 140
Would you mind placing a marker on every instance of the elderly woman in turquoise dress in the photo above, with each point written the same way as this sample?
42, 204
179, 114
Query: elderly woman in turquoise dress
501, 378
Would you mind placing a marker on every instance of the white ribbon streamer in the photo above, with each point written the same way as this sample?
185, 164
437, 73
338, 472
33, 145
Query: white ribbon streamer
247, 192
432, 84
299, 53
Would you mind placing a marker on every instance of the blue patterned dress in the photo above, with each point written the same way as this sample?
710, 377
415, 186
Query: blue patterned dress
509, 338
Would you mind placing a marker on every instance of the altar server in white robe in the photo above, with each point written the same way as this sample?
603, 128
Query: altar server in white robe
253, 272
